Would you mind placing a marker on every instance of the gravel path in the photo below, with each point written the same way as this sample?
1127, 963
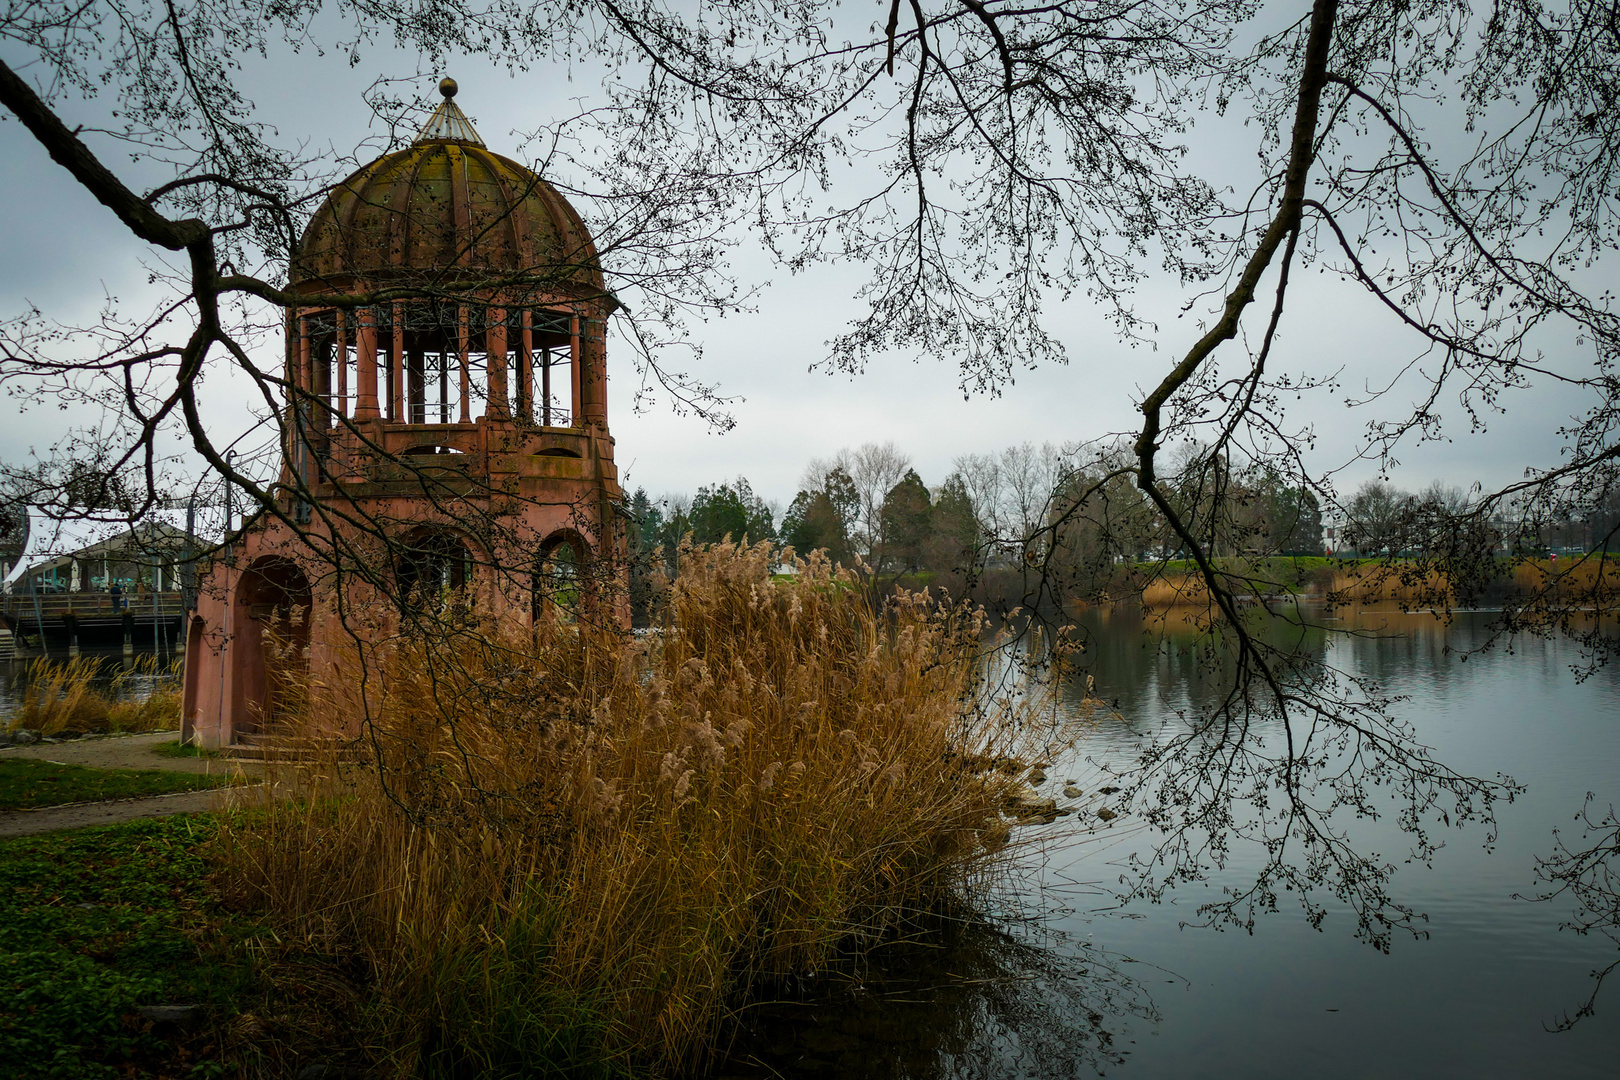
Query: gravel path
126, 752
76, 815
123, 752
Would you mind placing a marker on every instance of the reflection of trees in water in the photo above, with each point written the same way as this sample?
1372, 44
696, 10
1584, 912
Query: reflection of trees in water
1165, 661
1145, 663
1262, 749
1150, 670
967, 999
1587, 871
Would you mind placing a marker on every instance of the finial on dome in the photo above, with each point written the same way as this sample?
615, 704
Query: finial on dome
448, 123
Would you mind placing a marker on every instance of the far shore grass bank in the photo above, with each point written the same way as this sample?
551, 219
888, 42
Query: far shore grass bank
1411, 582
1177, 583
1408, 582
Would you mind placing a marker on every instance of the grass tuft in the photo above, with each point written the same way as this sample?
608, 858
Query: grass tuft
75, 695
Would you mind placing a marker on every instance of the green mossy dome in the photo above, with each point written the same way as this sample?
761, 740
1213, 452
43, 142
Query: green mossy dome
446, 212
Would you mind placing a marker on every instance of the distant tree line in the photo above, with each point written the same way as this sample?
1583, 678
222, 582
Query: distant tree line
1382, 519
1074, 512
1067, 516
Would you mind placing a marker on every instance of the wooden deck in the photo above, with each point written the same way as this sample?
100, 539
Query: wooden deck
92, 617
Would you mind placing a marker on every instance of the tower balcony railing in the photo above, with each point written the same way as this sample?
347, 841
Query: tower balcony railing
433, 363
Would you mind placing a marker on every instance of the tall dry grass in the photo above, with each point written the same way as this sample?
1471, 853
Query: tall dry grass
74, 695
1369, 582
1175, 590
1591, 579
1402, 583
586, 852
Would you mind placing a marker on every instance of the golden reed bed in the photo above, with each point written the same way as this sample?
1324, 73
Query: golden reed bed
581, 851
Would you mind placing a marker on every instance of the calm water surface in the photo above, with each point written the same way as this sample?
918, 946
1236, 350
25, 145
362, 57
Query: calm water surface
1090, 987
1471, 999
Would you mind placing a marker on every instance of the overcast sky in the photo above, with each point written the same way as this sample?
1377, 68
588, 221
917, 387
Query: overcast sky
65, 253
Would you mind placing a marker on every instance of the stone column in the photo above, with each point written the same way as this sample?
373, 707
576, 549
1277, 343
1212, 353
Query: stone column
396, 399
303, 381
525, 405
303, 386
576, 388
340, 357
416, 411
463, 332
594, 372
495, 361
365, 406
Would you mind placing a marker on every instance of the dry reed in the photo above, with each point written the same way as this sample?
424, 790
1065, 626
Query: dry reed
71, 695
1591, 579
1175, 590
581, 852
1404, 583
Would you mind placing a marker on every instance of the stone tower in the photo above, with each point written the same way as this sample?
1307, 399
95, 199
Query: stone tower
445, 443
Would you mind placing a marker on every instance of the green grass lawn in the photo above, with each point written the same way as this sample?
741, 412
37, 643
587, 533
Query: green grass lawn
96, 923
178, 749
28, 782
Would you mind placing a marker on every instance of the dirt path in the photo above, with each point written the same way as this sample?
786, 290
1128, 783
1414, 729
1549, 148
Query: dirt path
124, 752
76, 815
128, 752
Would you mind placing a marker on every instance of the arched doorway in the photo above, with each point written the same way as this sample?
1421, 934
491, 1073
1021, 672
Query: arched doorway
560, 592
273, 639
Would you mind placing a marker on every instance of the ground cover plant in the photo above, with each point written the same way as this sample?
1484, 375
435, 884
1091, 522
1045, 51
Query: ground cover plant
579, 852
26, 783
79, 695
97, 923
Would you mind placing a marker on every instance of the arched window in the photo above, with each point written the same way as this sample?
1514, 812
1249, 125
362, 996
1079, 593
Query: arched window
559, 579
435, 571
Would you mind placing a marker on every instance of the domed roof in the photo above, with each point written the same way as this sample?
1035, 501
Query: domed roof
444, 212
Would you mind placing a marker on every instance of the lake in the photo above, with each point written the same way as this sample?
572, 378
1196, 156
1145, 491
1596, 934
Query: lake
1087, 986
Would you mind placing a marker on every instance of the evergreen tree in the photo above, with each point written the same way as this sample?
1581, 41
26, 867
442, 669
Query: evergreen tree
647, 531
907, 524
676, 523
730, 510
956, 535
822, 518
646, 526
1295, 517
813, 523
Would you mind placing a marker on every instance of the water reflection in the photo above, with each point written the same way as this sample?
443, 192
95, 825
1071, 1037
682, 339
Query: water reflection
1584, 868
967, 1000
1266, 750
1148, 665
1475, 994
1469, 997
